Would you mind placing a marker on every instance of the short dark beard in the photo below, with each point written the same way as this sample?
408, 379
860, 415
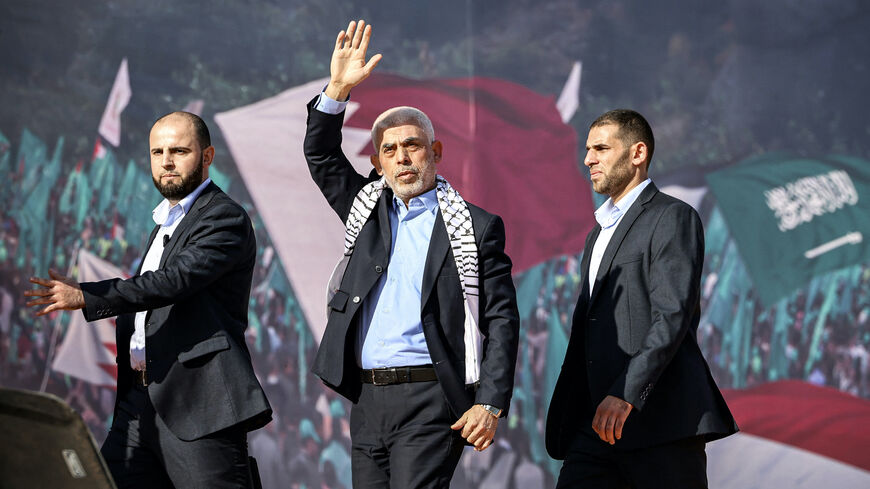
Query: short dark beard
178, 191
620, 176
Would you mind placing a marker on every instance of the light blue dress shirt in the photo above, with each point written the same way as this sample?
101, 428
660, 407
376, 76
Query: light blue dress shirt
390, 332
609, 215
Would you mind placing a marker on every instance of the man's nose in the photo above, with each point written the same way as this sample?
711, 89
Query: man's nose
167, 161
589, 160
404, 155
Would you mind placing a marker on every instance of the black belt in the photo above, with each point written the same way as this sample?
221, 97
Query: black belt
398, 375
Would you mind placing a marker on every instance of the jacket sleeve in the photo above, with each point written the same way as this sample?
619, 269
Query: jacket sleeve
499, 320
332, 172
221, 240
677, 259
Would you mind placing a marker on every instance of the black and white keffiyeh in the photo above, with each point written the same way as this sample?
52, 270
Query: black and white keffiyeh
457, 220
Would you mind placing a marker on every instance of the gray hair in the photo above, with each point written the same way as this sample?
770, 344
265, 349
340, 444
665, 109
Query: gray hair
399, 116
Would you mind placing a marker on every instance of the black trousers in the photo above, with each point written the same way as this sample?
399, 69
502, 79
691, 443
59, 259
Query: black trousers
591, 463
401, 437
142, 452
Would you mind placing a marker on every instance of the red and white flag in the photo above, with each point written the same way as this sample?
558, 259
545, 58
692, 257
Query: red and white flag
88, 349
110, 124
506, 149
796, 435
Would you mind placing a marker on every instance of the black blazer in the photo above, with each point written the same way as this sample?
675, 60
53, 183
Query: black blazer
442, 309
199, 367
635, 337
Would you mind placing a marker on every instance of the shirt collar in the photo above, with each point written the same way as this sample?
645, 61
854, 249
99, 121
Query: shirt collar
428, 200
166, 215
610, 212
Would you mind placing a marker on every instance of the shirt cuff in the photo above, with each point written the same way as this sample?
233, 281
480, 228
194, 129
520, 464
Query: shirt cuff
330, 106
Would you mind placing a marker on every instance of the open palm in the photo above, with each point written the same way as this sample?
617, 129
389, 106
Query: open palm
348, 66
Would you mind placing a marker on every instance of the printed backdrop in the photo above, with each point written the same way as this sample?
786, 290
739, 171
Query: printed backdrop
760, 118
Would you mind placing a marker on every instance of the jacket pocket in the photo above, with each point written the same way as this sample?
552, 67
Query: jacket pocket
338, 301
211, 345
624, 260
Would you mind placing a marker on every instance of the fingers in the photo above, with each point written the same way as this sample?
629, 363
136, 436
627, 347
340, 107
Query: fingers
483, 446
458, 424
47, 310
56, 275
39, 302
358, 34
363, 45
602, 424
608, 430
37, 292
477, 435
338, 40
41, 281
348, 36
620, 422
370, 66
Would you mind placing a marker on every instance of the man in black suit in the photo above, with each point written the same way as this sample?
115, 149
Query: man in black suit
635, 401
423, 323
187, 394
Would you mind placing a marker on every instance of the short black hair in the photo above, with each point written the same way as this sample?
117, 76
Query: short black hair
199, 128
632, 128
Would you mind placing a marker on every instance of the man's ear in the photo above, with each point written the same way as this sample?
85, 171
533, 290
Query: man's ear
207, 159
437, 148
377, 164
208, 155
638, 153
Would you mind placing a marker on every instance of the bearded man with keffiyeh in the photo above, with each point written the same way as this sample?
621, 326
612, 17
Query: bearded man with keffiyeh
422, 328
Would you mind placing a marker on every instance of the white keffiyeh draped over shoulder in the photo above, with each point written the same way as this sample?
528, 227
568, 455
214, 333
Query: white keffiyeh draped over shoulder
457, 220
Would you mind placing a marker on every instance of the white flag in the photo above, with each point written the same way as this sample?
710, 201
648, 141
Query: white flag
195, 107
110, 124
88, 349
265, 139
569, 99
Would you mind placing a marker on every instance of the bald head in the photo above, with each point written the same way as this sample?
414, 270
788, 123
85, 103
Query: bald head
199, 128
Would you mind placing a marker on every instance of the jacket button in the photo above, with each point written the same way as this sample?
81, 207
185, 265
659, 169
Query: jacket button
379, 268
356, 299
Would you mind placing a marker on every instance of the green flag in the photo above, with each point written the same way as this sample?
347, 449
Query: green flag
795, 218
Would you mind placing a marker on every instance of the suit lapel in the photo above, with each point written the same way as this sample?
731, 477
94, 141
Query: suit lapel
584, 264
621, 230
384, 220
439, 245
189, 219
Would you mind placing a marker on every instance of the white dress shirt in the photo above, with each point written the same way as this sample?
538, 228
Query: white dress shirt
168, 217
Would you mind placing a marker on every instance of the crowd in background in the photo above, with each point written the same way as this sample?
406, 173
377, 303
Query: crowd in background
50, 207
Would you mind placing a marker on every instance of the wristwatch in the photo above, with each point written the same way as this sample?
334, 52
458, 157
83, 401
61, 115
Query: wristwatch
491, 409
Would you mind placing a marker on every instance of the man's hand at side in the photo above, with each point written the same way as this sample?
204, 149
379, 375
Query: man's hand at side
348, 66
610, 418
478, 427
59, 292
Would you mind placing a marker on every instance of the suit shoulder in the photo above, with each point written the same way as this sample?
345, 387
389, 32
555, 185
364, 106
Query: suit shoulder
481, 218
226, 203
671, 204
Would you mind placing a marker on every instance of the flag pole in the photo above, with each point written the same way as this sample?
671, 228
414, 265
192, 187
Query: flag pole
56, 329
